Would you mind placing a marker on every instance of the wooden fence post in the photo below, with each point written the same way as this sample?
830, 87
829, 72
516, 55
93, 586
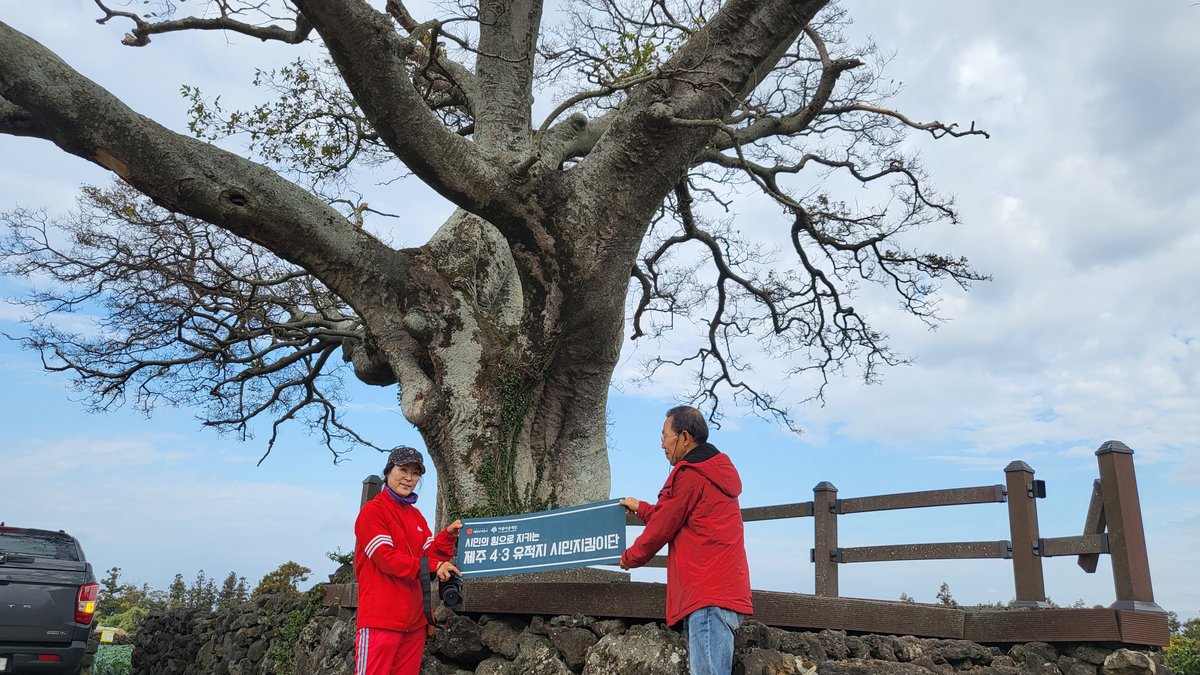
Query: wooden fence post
1126, 536
825, 538
1023, 529
1094, 523
372, 485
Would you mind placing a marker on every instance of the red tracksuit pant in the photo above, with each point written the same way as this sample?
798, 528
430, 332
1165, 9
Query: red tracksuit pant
388, 652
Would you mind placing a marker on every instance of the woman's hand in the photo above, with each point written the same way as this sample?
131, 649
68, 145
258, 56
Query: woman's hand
630, 504
453, 528
445, 569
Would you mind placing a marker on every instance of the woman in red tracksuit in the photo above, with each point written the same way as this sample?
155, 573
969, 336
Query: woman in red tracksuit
391, 536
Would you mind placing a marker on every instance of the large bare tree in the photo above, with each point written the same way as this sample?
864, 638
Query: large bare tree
240, 284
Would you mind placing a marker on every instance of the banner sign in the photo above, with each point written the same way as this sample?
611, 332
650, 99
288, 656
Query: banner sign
575, 536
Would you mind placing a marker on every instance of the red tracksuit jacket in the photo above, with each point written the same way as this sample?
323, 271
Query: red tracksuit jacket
389, 541
698, 515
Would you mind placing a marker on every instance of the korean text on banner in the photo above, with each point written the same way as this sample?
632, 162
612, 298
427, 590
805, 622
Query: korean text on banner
575, 536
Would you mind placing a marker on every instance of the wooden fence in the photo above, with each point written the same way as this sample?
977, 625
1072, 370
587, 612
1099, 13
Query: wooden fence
1113, 527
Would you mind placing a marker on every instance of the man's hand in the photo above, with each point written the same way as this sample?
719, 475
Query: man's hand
631, 505
446, 568
623, 565
453, 528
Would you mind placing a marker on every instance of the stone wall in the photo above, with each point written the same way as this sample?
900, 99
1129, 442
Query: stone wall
271, 634
296, 635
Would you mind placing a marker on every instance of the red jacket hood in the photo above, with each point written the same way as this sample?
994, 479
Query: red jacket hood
719, 471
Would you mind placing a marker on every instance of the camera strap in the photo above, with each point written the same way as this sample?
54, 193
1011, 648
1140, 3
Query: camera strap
425, 594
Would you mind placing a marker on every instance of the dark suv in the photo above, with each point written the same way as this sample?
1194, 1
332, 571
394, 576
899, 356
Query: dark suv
47, 599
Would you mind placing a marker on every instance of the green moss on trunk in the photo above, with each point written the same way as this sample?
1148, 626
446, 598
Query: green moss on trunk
497, 472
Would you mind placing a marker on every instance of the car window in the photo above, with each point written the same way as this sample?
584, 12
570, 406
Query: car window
38, 544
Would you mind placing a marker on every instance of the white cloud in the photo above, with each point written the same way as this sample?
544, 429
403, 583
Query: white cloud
986, 72
48, 459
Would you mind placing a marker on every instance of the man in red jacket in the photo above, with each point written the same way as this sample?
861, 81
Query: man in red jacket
708, 579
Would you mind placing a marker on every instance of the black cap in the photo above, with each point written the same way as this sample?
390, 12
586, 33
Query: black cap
402, 454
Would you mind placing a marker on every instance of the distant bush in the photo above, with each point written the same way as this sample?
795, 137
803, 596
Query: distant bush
284, 580
129, 619
125, 605
113, 660
339, 557
1183, 655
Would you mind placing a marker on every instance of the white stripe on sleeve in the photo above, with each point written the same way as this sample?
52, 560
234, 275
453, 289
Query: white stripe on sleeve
375, 543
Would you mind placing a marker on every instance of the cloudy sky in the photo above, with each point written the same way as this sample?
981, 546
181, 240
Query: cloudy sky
1083, 207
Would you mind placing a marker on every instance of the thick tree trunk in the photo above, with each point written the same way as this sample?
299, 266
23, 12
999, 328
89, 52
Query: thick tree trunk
506, 381
523, 442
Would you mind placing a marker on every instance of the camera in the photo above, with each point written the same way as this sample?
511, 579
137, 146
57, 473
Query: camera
451, 591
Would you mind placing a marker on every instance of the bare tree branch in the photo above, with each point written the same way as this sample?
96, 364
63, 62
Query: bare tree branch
722, 61
935, 128
190, 176
142, 30
717, 363
371, 58
195, 316
799, 120
450, 70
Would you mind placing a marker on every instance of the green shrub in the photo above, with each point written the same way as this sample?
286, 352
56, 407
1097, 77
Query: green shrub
113, 660
127, 620
1183, 655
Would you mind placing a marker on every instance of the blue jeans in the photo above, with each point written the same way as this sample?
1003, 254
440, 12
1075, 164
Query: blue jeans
710, 640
